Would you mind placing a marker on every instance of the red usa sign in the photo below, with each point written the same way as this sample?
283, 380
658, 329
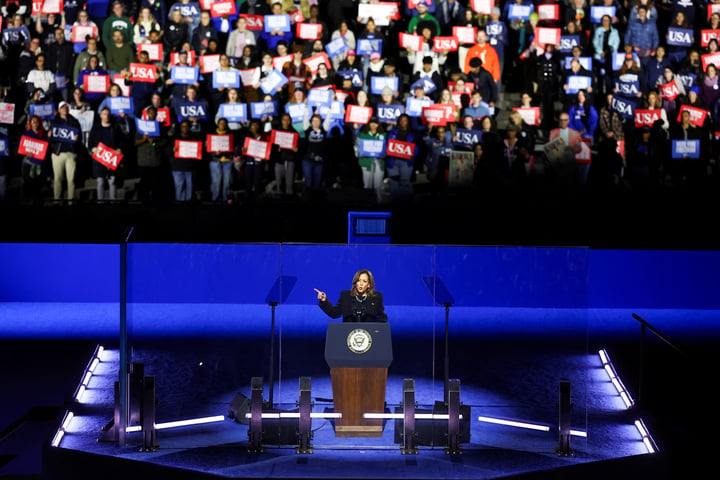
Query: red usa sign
707, 35
400, 149
669, 91
254, 22
107, 156
441, 44
163, 116
646, 117
143, 72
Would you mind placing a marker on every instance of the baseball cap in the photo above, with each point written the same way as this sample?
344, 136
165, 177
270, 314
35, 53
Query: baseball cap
63, 104
351, 52
374, 55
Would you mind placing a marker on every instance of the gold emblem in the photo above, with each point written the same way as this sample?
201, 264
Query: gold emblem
359, 341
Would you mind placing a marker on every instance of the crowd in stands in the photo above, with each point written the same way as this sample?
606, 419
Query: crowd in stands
200, 99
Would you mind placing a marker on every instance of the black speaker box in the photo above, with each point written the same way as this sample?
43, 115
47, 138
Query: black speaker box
239, 406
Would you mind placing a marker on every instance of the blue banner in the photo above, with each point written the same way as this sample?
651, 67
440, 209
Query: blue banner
120, 105
378, 83
426, 83
680, 37
627, 88
355, 75
414, 106
599, 11
225, 78
686, 149
619, 57
371, 148
520, 12
274, 81
151, 128
367, 46
64, 133
296, 111
263, 109
233, 112
318, 97
336, 47
567, 42
184, 75
623, 106
187, 110
43, 110
577, 82
467, 138
4, 147
389, 113
586, 62
276, 22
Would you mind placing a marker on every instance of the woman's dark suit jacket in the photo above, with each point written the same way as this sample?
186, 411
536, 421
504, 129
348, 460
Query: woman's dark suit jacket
371, 310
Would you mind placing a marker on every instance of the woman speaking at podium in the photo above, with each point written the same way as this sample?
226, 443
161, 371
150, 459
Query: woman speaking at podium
362, 303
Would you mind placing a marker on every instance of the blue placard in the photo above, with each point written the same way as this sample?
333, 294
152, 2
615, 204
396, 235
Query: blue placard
4, 147
120, 105
263, 109
151, 128
187, 110
686, 149
318, 97
296, 111
14, 35
623, 106
567, 42
426, 83
414, 106
190, 9
337, 108
273, 82
627, 88
467, 138
276, 22
378, 83
367, 46
619, 57
494, 29
680, 37
64, 133
371, 148
184, 75
355, 75
336, 47
389, 113
519, 12
577, 82
586, 62
599, 11
226, 79
233, 112
43, 110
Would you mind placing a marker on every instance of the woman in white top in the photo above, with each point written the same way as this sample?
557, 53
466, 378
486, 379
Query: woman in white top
344, 32
145, 23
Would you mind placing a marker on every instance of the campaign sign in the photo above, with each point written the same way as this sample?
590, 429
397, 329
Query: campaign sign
273, 82
256, 148
308, 31
188, 149
233, 112
410, 41
389, 113
680, 37
107, 156
548, 12
707, 35
449, 111
154, 50
483, 7
547, 36
119, 80
151, 128
191, 60
4, 147
467, 138
162, 116
336, 47
445, 44
222, 8
355, 75
414, 106
599, 11
184, 75
627, 88
686, 149
367, 46
336, 108
279, 23
530, 115
33, 148
623, 106
697, 115
64, 133
52, 6
400, 149
296, 111
709, 58
669, 91
263, 109
377, 84
567, 42
96, 83
219, 143
434, 115
80, 33
315, 60
254, 22
381, 12
284, 140
296, 16
585, 62
226, 79
618, 59
120, 105
426, 83
645, 117
519, 12
247, 75
141, 72
374, 148
279, 61
358, 114
465, 34
712, 8
585, 154
46, 111
7, 112
209, 63
318, 97
186, 110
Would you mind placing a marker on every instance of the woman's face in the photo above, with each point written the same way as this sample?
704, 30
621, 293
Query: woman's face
232, 95
105, 115
581, 97
77, 94
267, 60
92, 63
286, 121
224, 61
322, 70
668, 74
606, 22
315, 122
711, 71
403, 122
468, 122
652, 99
145, 13
114, 91
191, 94
299, 96
486, 124
222, 124
176, 16
362, 97
362, 283
35, 123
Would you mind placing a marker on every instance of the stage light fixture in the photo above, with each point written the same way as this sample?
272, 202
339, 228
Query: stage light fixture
179, 423
57, 438
514, 423
88, 373
417, 416
614, 379
646, 437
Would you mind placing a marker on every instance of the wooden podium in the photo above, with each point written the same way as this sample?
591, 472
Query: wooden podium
358, 355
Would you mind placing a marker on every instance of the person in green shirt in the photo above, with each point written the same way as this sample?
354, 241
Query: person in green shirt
117, 21
423, 16
373, 168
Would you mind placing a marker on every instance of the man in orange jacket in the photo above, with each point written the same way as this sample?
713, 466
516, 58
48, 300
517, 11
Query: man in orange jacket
485, 52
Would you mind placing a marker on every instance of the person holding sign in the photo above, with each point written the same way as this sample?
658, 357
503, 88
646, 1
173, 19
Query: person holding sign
221, 166
65, 142
33, 169
285, 158
313, 160
92, 69
183, 165
253, 163
686, 169
105, 131
362, 303
83, 58
150, 148
370, 144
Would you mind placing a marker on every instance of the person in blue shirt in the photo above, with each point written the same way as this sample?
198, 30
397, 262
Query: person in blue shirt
498, 36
